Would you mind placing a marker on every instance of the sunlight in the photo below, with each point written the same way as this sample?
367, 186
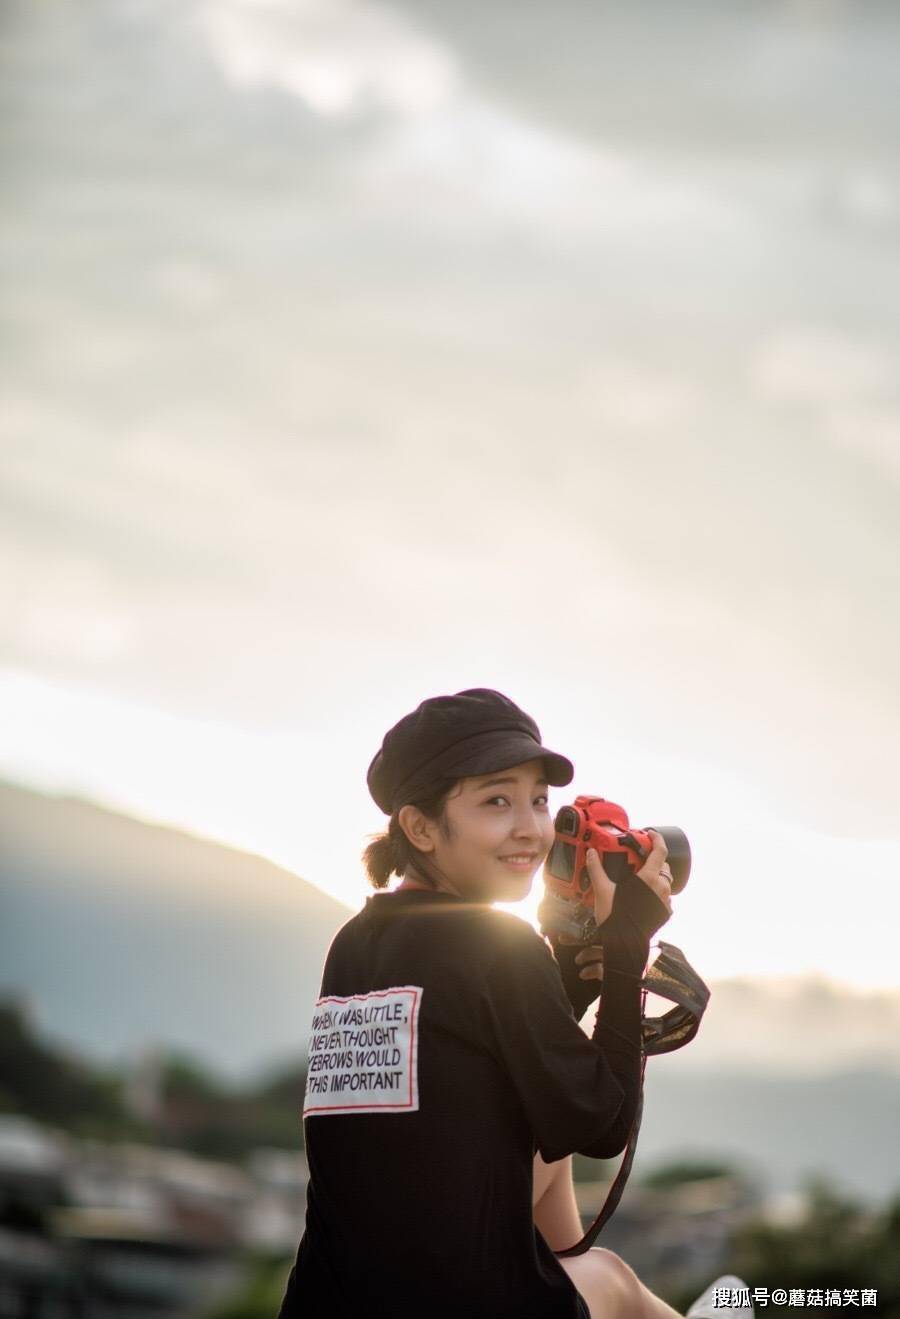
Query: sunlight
764, 898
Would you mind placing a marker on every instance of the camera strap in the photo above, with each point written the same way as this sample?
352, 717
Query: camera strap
614, 1194
671, 976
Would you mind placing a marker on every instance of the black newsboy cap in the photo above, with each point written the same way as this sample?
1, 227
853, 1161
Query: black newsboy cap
473, 732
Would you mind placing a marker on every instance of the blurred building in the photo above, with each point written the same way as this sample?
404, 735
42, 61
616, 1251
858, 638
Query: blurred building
103, 1231
674, 1236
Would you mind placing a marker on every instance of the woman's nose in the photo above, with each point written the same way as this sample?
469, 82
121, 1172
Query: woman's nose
527, 823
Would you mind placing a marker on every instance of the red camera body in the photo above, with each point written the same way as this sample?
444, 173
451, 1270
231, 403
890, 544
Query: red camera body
596, 822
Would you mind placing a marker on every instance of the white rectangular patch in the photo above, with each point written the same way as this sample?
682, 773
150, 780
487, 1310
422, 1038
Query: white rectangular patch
363, 1053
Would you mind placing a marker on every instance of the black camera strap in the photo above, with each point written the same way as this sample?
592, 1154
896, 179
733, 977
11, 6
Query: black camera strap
671, 976
614, 1194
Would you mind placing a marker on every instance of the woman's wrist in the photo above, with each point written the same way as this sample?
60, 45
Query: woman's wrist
580, 991
637, 912
625, 951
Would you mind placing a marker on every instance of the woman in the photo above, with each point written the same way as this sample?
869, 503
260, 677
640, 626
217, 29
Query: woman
449, 1081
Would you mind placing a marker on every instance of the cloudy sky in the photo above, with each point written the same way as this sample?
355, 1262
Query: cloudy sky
357, 352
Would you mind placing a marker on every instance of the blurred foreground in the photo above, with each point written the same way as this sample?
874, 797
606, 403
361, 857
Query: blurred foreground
163, 1195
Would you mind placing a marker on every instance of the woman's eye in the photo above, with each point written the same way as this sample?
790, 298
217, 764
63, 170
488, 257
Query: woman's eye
542, 801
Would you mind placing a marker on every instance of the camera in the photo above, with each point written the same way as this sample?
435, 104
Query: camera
568, 905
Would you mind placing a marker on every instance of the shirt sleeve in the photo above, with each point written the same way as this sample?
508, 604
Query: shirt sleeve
637, 914
563, 1080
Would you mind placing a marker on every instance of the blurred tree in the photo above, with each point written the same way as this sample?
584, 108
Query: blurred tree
198, 1113
195, 1110
680, 1171
836, 1244
261, 1295
48, 1085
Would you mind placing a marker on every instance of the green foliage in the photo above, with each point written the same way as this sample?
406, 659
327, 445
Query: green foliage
685, 1170
836, 1244
196, 1111
51, 1086
183, 1080
200, 1114
261, 1296
593, 1170
285, 1086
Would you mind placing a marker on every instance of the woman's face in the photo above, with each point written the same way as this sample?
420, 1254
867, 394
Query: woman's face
498, 833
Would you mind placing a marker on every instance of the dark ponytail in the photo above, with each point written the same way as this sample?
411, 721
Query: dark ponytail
392, 853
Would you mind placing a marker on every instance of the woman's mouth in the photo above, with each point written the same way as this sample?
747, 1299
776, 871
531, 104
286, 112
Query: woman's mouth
520, 860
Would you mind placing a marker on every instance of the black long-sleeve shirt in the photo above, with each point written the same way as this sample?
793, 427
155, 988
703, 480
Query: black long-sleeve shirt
637, 914
444, 1053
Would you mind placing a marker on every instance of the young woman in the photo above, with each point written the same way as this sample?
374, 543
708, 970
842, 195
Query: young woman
449, 1081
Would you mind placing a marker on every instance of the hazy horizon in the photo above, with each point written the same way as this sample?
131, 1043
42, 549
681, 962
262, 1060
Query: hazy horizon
128, 942
221, 953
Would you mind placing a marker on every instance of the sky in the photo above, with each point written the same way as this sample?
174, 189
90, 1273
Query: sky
357, 352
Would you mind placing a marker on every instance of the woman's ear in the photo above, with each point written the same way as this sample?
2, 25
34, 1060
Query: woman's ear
417, 827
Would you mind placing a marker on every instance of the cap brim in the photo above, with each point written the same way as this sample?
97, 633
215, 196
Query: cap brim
503, 750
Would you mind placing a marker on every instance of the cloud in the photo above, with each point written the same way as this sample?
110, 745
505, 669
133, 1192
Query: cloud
820, 367
847, 384
443, 149
350, 380
339, 57
471, 165
869, 432
636, 397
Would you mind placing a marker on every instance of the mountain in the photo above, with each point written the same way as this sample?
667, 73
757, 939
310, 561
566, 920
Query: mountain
793, 1026
120, 934
782, 1129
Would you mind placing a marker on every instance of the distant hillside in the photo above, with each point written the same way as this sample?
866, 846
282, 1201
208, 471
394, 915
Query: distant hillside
120, 934
782, 1128
793, 1026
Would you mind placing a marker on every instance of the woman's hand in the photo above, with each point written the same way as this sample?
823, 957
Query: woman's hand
656, 875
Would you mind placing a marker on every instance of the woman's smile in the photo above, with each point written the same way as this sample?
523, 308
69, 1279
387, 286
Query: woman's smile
521, 860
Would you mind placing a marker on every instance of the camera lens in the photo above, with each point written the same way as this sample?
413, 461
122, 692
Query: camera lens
679, 855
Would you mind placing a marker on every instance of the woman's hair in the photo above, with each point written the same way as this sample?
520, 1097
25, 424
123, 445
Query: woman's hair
392, 853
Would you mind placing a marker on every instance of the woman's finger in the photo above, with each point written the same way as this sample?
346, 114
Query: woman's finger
655, 871
590, 962
592, 953
656, 857
604, 888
